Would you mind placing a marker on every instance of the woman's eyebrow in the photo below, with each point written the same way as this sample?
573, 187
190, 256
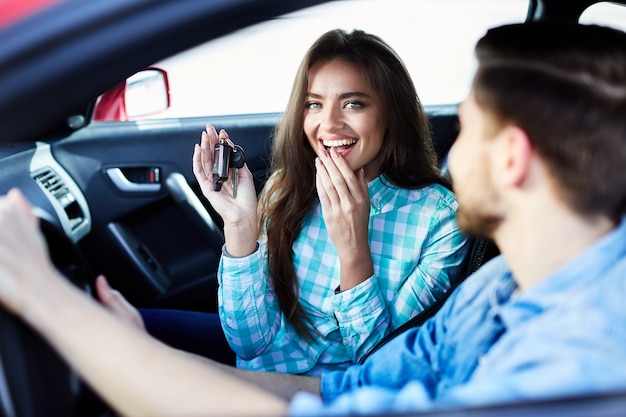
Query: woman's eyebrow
341, 96
354, 94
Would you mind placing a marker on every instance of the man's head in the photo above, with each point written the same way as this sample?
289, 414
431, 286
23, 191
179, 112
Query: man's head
563, 87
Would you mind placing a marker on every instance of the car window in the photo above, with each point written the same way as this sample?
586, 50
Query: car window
605, 13
252, 70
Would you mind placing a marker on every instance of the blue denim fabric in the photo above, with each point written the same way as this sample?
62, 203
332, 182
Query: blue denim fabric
564, 336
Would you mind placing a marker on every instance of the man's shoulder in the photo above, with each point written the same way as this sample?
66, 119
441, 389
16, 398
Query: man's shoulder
488, 274
476, 289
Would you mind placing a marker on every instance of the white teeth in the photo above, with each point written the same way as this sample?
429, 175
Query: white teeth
340, 142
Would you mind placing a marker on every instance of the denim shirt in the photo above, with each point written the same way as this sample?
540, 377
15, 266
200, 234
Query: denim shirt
564, 336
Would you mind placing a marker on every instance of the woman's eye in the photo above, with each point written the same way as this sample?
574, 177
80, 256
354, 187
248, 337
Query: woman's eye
354, 105
313, 106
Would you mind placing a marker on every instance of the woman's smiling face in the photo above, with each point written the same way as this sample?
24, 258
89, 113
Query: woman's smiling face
342, 111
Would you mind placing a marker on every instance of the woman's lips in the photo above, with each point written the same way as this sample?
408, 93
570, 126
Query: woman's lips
338, 143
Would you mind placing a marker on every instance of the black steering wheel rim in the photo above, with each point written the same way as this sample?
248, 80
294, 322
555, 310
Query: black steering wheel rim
34, 380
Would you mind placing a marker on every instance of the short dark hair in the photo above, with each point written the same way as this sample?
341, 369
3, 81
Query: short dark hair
565, 86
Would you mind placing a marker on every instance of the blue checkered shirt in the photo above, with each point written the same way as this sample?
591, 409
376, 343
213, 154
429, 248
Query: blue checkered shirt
416, 247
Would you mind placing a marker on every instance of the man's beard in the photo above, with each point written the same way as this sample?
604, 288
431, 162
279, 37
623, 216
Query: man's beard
477, 214
477, 223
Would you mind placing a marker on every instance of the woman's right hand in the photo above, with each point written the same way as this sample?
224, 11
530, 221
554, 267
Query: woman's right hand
239, 214
344, 198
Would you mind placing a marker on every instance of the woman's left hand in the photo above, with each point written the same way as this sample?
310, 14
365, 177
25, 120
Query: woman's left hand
344, 198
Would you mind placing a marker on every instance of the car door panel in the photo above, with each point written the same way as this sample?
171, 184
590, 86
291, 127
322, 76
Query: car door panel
151, 245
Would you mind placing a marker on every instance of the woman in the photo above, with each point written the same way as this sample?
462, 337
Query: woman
357, 230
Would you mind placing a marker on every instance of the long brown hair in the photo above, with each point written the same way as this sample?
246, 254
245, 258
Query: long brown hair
408, 157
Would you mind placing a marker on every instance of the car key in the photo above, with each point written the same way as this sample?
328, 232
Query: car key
227, 156
221, 162
235, 181
237, 161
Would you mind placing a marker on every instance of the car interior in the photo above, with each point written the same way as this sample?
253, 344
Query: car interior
115, 193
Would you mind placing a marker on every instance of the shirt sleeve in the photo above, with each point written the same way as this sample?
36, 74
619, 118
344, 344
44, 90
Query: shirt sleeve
365, 316
365, 401
534, 371
573, 354
248, 307
401, 376
555, 354
362, 316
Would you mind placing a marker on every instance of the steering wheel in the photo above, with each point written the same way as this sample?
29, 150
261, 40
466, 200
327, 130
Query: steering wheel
34, 380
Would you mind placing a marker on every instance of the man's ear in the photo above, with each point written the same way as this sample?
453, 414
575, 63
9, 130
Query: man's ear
518, 153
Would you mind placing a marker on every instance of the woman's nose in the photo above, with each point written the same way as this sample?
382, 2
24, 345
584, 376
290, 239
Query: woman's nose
332, 119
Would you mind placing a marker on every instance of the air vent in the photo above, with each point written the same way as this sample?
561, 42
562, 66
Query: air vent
51, 182
65, 196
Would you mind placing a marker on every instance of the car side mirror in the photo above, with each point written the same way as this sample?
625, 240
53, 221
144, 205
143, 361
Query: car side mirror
143, 94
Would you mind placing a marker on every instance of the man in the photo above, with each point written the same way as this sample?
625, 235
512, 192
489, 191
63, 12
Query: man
538, 166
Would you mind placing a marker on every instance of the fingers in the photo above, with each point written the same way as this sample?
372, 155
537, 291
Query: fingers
203, 154
344, 200
23, 217
319, 185
104, 291
335, 180
203, 176
362, 183
115, 302
202, 159
207, 144
25, 267
22, 204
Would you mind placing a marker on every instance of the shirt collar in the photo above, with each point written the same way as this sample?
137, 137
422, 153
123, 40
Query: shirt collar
381, 191
581, 271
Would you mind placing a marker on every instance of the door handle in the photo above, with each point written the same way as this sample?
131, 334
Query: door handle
149, 182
